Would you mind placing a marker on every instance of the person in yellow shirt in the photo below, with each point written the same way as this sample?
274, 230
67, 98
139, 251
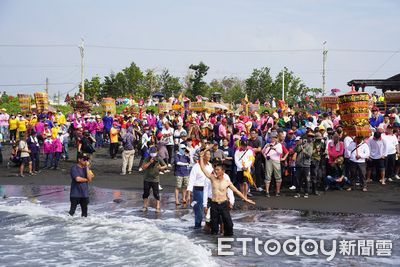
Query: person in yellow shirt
54, 130
22, 126
32, 121
114, 131
12, 126
60, 118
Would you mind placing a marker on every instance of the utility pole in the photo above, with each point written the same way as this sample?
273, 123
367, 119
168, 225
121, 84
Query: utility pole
324, 55
47, 86
283, 84
82, 51
58, 97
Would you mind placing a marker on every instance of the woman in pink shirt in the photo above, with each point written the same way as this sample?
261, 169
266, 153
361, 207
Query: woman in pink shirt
335, 148
48, 150
57, 150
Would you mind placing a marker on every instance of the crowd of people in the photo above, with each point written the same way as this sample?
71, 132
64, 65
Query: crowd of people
259, 152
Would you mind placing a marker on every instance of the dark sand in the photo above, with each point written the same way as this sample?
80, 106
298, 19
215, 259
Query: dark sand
378, 200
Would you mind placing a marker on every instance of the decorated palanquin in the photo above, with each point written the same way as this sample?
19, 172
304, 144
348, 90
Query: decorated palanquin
329, 102
354, 109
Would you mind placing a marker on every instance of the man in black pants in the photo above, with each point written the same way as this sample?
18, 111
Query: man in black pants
152, 167
304, 152
81, 175
219, 202
256, 143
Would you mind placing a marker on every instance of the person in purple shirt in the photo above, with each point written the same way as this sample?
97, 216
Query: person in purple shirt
34, 147
81, 176
99, 131
107, 121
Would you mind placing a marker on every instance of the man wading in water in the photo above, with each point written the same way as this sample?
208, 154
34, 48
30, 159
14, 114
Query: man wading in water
219, 203
81, 175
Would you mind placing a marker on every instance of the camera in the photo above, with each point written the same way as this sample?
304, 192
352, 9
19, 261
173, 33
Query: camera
304, 141
268, 157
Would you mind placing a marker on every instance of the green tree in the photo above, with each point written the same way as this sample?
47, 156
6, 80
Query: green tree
295, 89
93, 88
150, 85
121, 85
231, 88
108, 88
259, 85
198, 86
134, 81
170, 86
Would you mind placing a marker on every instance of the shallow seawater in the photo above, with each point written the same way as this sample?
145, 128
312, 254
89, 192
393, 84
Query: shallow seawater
37, 231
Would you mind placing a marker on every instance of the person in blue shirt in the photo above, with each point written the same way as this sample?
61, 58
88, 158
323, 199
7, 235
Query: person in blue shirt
376, 118
107, 121
182, 163
290, 139
81, 176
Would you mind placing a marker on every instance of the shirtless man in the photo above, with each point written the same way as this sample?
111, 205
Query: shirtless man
219, 203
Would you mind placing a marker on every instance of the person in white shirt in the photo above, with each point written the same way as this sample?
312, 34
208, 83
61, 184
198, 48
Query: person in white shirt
168, 137
392, 146
327, 122
359, 152
346, 142
377, 148
195, 188
244, 158
272, 153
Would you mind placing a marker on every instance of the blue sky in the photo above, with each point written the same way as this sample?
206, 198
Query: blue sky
197, 25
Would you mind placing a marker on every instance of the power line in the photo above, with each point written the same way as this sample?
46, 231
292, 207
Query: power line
33, 84
384, 63
37, 45
201, 50
37, 66
70, 90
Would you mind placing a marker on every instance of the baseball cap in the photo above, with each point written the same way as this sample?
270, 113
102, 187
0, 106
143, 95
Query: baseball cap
290, 132
298, 138
182, 146
318, 136
153, 149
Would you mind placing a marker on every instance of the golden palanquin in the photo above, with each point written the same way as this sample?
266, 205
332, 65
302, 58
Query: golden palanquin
329, 102
354, 108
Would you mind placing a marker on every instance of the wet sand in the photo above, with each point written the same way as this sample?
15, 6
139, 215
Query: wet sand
378, 200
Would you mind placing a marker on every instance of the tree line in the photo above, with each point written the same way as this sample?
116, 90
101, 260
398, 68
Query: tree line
132, 81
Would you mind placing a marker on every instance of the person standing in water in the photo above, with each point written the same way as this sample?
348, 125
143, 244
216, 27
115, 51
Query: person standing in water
152, 167
219, 202
81, 176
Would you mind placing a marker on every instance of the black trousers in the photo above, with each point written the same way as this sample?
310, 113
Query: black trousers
303, 176
113, 149
316, 171
13, 135
220, 211
35, 161
390, 165
259, 171
358, 171
82, 201
170, 149
146, 189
